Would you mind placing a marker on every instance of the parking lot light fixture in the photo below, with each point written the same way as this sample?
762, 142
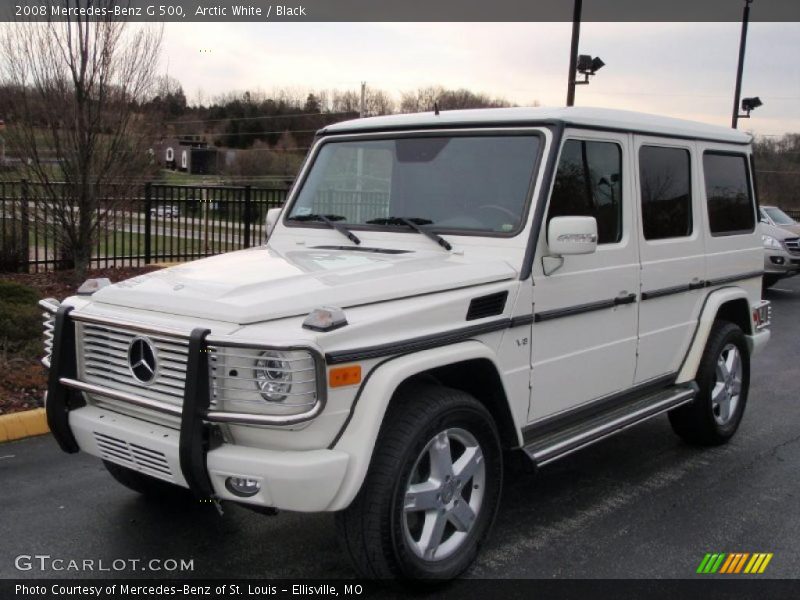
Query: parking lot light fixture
587, 66
749, 104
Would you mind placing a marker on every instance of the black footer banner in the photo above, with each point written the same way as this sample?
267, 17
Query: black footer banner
463, 589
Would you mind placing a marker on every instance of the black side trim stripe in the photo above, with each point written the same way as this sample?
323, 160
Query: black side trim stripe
732, 278
424, 342
458, 335
557, 313
520, 321
698, 285
669, 291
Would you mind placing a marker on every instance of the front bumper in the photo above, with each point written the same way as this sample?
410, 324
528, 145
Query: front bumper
305, 481
780, 262
195, 455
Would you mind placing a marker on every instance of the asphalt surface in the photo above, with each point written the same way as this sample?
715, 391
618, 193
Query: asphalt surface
640, 505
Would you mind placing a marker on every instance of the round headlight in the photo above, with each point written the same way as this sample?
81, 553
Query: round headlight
273, 377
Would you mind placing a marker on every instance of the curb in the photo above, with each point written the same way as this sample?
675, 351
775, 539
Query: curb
17, 426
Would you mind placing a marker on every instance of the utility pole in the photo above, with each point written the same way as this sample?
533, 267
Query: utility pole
573, 56
742, 42
363, 106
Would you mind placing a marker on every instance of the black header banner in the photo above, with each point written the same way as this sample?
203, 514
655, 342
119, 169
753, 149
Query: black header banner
395, 10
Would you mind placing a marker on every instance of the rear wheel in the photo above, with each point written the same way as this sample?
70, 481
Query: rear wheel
432, 489
144, 484
724, 379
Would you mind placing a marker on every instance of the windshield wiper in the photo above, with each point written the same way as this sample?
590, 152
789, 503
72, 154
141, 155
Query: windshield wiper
330, 221
414, 223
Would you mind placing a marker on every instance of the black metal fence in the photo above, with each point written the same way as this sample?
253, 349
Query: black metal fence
135, 226
153, 222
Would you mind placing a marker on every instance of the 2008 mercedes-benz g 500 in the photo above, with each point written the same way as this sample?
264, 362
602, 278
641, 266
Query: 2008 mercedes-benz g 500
438, 289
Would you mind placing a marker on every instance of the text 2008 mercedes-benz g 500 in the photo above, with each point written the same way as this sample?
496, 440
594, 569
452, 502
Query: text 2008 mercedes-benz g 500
438, 289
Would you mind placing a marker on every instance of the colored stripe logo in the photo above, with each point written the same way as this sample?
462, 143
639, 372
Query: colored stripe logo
734, 563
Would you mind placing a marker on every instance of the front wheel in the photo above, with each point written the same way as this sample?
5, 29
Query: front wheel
432, 489
724, 379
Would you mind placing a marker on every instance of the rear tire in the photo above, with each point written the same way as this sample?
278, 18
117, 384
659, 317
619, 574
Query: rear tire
144, 484
724, 380
439, 449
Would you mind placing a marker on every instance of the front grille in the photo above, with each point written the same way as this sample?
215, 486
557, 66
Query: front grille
133, 456
792, 245
104, 362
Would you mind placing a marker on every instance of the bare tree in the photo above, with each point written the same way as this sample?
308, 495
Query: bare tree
423, 99
420, 100
378, 102
345, 102
77, 123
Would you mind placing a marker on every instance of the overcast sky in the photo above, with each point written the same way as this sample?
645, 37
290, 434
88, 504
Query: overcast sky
684, 70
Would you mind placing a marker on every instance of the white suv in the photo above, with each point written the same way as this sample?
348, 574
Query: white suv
438, 289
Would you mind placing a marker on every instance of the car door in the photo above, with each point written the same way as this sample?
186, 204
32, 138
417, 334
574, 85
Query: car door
672, 251
585, 317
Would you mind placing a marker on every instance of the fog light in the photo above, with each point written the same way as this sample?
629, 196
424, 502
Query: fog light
242, 486
776, 260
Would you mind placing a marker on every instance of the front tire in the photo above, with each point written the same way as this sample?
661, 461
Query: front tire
432, 490
724, 380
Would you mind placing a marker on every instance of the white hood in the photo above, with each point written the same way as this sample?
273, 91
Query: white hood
260, 284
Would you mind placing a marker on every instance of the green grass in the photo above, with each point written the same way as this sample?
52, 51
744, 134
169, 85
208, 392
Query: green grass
133, 244
170, 177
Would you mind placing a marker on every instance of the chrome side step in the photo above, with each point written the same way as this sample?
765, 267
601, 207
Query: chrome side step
561, 442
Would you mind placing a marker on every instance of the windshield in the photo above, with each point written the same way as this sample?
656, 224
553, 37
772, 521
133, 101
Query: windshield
779, 217
446, 183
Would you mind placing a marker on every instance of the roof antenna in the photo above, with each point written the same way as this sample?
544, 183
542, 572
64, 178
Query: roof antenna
436, 109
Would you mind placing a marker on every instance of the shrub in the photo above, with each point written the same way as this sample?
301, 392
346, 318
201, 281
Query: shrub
20, 320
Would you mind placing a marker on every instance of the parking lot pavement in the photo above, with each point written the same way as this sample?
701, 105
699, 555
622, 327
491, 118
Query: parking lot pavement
641, 504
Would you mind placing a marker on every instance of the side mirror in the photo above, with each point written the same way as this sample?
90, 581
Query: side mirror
272, 218
572, 235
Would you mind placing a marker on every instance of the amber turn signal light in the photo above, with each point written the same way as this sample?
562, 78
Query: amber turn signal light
342, 376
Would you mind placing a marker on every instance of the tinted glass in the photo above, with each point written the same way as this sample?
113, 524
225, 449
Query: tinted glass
589, 184
780, 217
665, 177
730, 204
478, 183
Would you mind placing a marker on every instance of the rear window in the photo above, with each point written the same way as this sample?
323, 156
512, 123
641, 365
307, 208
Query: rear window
665, 179
730, 201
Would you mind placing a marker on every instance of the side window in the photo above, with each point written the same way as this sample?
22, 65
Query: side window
730, 203
665, 179
588, 183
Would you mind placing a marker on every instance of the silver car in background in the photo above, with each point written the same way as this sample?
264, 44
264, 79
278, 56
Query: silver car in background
781, 237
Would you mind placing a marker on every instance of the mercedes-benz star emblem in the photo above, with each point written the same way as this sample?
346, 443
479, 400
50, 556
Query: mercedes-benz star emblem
142, 359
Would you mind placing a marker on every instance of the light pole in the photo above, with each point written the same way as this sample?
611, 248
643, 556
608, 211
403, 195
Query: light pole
742, 43
573, 52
